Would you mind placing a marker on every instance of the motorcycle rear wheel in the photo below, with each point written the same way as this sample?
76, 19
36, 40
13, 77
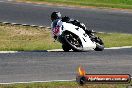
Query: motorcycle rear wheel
99, 44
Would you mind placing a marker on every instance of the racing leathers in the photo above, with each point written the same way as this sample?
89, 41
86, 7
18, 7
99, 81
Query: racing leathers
55, 27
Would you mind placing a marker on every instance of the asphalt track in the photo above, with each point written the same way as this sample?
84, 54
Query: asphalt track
43, 66
102, 20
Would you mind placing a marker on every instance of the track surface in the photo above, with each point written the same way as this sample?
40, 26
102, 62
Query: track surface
96, 19
43, 66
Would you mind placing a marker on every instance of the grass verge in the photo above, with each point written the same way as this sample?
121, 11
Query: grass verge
23, 38
116, 39
63, 85
126, 4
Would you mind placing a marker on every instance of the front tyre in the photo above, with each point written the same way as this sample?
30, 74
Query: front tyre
73, 41
66, 48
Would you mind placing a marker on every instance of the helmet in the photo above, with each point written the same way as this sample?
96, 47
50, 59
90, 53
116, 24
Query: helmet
55, 15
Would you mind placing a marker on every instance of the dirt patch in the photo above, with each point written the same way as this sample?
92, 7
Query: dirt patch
24, 32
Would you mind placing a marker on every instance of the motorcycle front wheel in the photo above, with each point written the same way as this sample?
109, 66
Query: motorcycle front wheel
73, 41
66, 48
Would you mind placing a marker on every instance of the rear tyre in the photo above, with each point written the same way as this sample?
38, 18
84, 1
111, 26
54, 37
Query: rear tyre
99, 44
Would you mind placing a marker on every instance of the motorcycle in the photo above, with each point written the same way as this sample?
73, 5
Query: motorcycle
75, 38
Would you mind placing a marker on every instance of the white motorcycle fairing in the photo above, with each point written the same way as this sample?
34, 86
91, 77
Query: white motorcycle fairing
87, 44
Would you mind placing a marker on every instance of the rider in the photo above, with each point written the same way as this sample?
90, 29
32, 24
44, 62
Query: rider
57, 23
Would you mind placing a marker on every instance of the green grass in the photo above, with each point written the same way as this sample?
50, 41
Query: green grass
24, 38
63, 85
116, 39
98, 3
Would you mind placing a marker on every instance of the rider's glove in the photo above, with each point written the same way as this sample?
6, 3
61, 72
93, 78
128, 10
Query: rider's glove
55, 37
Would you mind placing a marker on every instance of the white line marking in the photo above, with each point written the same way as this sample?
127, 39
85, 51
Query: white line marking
40, 81
10, 0
25, 24
73, 80
6, 22
8, 51
33, 25
105, 48
55, 50
14, 23
123, 47
41, 26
